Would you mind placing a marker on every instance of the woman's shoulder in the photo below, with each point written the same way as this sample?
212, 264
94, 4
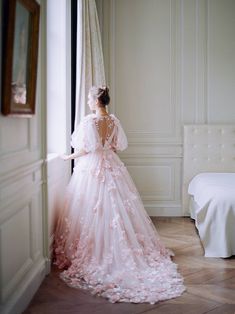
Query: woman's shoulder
88, 117
91, 116
115, 118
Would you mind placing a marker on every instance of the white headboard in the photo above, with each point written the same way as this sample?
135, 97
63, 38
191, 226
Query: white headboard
207, 148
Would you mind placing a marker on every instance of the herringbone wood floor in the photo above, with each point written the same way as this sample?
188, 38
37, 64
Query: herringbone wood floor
210, 282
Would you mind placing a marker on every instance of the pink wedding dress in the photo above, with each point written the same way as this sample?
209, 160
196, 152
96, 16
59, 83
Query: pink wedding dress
104, 239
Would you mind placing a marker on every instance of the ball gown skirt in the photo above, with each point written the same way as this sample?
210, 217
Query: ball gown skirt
104, 239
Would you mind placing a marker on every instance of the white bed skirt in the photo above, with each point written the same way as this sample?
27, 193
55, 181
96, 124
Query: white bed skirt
216, 229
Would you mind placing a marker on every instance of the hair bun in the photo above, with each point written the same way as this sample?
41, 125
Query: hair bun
101, 92
105, 89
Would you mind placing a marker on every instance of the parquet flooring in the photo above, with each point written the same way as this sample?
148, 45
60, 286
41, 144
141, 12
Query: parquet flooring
210, 282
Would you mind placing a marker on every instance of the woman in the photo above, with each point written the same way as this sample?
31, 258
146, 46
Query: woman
104, 239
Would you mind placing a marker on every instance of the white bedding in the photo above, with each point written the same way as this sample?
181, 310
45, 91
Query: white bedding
214, 212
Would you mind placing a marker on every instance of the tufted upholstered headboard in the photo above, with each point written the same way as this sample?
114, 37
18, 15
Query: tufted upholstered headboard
207, 148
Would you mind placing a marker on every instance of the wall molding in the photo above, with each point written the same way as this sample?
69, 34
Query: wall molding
21, 171
175, 108
166, 210
201, 61
25, 291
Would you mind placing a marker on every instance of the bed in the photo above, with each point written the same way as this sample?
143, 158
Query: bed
209, 185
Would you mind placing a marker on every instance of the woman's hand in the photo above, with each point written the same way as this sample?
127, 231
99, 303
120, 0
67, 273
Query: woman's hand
65, 157
74, 155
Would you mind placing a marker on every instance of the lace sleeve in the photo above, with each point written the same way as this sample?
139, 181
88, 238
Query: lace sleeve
119, 140
83, 137
78, 138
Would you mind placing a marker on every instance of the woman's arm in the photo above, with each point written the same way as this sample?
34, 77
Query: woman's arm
74, 155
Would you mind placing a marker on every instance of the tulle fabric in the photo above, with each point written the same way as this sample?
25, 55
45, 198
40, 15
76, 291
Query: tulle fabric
104, 240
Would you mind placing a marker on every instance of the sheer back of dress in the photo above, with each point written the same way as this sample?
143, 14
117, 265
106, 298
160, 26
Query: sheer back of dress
105, 128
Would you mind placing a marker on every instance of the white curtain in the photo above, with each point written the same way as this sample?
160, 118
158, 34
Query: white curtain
90, 65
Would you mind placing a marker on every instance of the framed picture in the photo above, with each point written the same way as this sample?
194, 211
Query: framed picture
19, 57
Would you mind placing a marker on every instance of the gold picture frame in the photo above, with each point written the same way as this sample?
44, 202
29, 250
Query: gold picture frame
19, 57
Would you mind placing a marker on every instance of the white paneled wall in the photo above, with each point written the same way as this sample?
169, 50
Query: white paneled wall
168, 62
221, 61
23, 218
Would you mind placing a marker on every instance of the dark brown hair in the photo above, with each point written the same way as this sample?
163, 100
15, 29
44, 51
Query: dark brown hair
101, 93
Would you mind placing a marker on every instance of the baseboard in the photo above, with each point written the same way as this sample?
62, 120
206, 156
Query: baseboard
166, 211
51, 240
25, 291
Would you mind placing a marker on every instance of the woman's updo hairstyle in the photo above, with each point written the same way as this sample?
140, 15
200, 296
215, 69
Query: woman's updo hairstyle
101, 93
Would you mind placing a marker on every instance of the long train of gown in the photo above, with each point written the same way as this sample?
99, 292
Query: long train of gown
105, 241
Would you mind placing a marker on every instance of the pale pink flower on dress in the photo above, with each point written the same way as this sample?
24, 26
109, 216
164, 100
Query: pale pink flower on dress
128, 206
111, 186
97, 207
115, 221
